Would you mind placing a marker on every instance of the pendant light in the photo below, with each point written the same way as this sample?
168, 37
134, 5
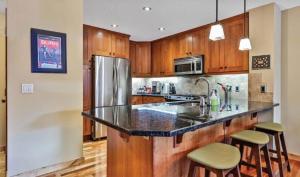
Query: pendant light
216, 31
245, 43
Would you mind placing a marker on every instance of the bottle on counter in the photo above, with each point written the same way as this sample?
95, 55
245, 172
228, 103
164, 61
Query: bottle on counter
214, 98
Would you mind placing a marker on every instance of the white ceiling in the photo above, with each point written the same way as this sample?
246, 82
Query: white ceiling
174, 15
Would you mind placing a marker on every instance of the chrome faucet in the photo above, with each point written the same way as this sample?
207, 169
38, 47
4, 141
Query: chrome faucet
208, 88
227, 93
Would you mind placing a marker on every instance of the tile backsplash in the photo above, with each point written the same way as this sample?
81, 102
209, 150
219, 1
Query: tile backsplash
186, 84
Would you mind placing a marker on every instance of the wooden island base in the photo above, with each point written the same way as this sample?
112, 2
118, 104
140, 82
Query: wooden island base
136, 156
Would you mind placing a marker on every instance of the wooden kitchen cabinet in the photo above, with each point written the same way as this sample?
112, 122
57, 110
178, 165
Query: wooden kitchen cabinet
224, 56
234, 59
141, 62
132, 57
191, 44
214, 55
153, 99
163, 53
135, 100
105, 43
157, 60
120, 46
87, 83
184, 43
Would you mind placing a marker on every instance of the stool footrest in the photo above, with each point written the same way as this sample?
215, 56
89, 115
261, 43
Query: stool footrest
264, 169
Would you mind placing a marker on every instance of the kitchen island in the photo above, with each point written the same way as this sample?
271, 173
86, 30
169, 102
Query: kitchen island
152, 140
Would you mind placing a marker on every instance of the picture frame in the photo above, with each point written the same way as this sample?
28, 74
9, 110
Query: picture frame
48, 51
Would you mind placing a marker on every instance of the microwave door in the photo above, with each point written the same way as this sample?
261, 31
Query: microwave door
184, 68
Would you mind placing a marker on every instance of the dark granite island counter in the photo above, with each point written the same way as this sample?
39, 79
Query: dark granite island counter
152, 140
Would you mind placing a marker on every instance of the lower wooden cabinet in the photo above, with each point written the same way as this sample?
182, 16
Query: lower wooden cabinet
135, 100
87, 82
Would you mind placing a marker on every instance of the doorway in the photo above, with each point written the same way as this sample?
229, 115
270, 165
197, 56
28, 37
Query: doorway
2, 94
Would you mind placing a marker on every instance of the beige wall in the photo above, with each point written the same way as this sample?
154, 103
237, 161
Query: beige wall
265, 35
2, 81
290, 77
44, 128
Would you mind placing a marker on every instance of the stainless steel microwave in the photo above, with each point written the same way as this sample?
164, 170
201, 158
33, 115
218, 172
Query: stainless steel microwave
189, 65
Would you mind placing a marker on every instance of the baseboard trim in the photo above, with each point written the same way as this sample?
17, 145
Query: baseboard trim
2, 148
50, 169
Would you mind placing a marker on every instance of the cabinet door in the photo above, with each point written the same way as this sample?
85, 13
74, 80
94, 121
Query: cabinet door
214, 55
86, 59
120, 46
101, 42
157, 60
143, 58
136, 100
132, 58
235, 60
184, 45
152, 99
168, 55
198, 40
87, 83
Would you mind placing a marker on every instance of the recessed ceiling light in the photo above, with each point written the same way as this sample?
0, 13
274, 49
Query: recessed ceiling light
114, 25
161, 29
147, 8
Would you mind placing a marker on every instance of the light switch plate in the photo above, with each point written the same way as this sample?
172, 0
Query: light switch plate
27, 88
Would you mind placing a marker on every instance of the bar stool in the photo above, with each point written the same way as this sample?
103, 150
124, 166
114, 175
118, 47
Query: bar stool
219, 158
257, 141
276, 130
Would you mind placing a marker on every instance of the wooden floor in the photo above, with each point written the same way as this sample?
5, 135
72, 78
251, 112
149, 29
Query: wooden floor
94, 164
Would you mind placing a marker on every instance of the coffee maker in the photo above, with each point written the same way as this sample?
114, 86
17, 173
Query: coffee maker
156, 87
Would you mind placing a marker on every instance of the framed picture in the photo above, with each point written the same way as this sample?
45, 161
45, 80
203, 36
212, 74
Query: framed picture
48, 52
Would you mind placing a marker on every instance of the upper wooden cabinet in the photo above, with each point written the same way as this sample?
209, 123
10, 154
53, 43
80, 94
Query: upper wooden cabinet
103, 42
224, 56
163, 53
120, 46
157, 64
140, 56
190, 44
132, 57
234, 59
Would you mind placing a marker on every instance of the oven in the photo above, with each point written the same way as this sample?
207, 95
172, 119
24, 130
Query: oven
189, 65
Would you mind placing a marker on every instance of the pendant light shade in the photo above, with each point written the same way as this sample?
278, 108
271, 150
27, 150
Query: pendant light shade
245, 43
216, 31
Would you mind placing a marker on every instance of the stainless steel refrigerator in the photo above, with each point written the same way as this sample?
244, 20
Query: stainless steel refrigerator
111, 86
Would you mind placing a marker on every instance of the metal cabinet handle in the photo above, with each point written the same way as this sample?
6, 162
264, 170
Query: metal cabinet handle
3, 101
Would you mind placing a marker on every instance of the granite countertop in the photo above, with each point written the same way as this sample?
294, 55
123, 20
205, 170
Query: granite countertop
171, 119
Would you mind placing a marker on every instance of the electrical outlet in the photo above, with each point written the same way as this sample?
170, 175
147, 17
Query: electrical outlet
263, 88
237, 89
27, 88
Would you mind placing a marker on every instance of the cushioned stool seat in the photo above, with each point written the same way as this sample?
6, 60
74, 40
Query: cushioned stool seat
217, 155
252, 137
270, 126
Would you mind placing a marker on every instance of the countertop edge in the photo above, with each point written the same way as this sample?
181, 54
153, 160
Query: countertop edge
179, 131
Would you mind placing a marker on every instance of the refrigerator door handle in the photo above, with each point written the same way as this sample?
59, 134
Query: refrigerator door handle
115, 86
